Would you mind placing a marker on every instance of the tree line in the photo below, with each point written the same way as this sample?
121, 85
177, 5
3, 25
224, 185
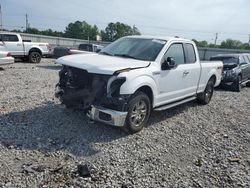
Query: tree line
114, 31
85, 31
227, 44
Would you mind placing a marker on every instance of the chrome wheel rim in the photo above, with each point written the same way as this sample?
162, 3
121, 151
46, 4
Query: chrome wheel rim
139, 113
35, 57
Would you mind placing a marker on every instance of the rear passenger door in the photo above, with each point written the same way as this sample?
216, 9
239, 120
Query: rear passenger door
192, 69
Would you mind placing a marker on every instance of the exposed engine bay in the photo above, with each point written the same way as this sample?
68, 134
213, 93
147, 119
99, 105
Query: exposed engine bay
79, 89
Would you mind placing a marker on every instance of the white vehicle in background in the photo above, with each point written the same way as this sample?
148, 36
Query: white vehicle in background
5, 58
22, 49
134, 75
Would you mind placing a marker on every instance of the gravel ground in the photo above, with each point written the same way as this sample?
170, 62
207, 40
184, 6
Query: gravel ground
42, 144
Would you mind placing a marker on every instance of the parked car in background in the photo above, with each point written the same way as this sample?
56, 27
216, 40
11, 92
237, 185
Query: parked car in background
133, 75
5, 58
90, 47
22, 49
82, 49
236, 69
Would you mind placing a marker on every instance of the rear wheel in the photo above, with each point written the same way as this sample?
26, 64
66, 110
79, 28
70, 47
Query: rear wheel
35, 57
205, 97
139, 108
237, 84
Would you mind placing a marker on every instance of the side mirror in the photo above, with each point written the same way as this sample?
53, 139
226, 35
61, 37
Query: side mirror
168, 63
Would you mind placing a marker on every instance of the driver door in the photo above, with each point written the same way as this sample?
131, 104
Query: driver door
172, 83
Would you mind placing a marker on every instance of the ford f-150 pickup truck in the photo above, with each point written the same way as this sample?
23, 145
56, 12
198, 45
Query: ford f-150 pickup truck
19, 48
134, 75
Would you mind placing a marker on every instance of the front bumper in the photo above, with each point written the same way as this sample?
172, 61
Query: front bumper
111, 117
228, 78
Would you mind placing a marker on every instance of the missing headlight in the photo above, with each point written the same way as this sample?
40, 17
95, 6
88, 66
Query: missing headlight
115, 86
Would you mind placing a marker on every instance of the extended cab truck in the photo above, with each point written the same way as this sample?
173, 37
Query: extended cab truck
18, 48
236, 69
134, 75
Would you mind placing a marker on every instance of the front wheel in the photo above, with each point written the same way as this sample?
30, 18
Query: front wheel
237, 84
35, 57
205, 97
139, 108
248, 83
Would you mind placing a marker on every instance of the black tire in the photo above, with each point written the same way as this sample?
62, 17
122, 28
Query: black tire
248, 84
35, 57
139, 108
206, 96
237, 84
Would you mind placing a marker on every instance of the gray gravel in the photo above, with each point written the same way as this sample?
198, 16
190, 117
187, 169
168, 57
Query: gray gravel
42, 144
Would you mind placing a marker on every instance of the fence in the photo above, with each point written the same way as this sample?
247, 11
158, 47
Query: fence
205, 53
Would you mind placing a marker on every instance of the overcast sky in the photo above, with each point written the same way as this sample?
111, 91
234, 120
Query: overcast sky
187, 18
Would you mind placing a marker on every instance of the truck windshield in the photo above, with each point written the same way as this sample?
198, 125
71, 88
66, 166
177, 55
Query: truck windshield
135, 48
226, 60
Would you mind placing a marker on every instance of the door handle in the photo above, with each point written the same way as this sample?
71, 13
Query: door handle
156, 73
19, 44
186, 72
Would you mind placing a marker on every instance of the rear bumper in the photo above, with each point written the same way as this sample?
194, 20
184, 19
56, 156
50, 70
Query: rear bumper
111, 117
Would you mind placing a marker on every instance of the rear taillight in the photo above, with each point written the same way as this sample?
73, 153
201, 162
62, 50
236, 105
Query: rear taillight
49, 47
221, 69
8, 54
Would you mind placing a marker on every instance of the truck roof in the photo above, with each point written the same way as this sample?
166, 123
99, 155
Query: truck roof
9, 33
167, 38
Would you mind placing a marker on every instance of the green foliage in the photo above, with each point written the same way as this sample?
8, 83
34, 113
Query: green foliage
201, 43
117, 30
81, 30
47, 32
227, 44
231, 44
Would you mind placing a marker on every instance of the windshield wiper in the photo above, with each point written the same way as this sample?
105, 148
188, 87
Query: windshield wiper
125, 55
106, 53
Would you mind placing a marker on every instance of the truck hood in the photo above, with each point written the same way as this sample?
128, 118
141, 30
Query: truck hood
101, 64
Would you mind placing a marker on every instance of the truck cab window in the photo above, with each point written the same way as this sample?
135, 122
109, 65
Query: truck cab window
10, 38
176, 51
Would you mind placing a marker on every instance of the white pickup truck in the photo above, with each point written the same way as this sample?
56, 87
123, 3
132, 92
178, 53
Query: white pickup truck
25, 50
134, 75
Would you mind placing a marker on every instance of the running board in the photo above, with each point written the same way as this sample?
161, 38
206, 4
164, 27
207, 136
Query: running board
167, 106
245, 82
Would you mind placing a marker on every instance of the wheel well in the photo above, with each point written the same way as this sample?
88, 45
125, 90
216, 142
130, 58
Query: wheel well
148, 91
213, 78
35, 50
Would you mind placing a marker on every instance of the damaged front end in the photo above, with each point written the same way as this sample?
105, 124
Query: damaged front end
96, 94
